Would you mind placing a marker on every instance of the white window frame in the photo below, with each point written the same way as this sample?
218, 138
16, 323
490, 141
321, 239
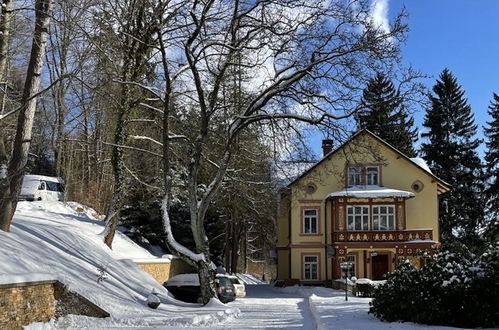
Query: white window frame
352, 258
354, 179
369, 178
307, 274
387, 214
310, 218
362, 214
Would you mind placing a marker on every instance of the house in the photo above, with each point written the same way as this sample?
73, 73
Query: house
364, 202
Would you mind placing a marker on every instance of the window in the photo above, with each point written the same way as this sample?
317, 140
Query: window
54, 186
41, 186
372, 175
353, 176
384, 217
358, 217
352, 270
310, 267
310, 221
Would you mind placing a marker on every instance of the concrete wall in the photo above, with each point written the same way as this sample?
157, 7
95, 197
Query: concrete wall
24, 303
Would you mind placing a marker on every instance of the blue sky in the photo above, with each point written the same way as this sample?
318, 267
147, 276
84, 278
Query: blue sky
462, 35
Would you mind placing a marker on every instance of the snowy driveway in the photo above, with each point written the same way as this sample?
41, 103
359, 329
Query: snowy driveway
266, 307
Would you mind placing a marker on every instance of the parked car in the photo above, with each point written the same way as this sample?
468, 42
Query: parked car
238, 286
185, 287
40, 187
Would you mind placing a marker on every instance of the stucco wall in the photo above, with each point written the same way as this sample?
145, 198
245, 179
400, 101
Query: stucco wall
21, 304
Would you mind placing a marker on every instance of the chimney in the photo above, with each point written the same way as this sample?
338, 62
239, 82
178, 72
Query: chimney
327, 146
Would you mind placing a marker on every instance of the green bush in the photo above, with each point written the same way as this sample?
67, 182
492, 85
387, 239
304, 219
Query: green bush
454, 288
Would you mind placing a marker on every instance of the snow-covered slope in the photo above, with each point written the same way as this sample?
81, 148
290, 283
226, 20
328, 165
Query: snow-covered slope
52, 238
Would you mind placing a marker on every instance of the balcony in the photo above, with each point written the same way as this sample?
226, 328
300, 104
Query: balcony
384, 236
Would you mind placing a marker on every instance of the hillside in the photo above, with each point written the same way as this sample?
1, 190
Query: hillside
52, 238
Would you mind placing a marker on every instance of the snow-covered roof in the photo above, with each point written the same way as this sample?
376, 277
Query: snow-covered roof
421, 163
286, 172
184, 280
369, 191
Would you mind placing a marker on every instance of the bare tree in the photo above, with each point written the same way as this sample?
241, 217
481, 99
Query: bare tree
11, 180
310, 61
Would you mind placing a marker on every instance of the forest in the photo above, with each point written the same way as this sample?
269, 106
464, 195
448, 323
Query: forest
182, 120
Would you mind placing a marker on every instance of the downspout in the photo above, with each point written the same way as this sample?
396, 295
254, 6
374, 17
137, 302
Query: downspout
325, 238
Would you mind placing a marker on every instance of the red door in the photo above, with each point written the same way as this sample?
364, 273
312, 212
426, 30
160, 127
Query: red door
379, 266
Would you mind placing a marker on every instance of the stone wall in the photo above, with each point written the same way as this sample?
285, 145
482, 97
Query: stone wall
24, 303
163, 270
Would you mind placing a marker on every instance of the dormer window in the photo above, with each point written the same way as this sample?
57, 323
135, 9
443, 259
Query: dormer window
372, 175
353, 176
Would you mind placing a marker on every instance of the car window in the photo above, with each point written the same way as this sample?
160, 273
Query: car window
54, 186
41, 186
235, 281
224, 281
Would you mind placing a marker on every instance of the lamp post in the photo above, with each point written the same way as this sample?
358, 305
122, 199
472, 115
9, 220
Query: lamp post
345, 266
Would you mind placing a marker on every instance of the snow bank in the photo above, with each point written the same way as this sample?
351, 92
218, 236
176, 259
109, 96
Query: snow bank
26, 278
330, 311
51, 238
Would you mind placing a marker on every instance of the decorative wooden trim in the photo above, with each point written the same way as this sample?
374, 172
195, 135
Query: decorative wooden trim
319, 265
386, 245
319, 220
402, 236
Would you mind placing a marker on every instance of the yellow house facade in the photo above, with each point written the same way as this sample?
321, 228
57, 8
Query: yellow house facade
364, 202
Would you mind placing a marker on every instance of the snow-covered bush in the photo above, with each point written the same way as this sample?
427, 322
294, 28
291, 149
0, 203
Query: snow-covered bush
454, 287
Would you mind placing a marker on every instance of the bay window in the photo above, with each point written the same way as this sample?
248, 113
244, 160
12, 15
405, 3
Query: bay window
358, 217
384, 217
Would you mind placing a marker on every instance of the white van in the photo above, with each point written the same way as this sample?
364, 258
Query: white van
39, 187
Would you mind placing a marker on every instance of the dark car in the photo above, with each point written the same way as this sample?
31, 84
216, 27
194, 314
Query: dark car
185, 287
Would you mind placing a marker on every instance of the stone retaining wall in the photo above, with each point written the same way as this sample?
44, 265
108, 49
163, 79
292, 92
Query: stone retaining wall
27, 302
24, 303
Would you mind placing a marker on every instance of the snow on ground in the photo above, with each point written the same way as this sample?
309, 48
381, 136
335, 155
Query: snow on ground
52, 238
331, 311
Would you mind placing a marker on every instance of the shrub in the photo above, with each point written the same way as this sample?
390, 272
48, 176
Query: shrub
454, 288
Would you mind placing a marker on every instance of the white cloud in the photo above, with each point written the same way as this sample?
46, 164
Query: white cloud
379, 14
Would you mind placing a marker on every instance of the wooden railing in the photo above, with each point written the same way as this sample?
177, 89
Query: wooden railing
383, 236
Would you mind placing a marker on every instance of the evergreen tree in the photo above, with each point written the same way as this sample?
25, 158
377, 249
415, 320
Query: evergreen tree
451, 155
492, 168
385, 115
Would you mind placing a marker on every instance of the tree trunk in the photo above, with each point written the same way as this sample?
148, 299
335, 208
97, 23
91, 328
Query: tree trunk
15, 171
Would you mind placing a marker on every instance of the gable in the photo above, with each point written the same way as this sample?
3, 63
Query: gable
364, 143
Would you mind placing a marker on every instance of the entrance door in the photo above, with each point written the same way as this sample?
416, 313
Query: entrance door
379, 266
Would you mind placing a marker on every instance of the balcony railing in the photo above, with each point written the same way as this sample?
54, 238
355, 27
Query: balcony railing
383, 236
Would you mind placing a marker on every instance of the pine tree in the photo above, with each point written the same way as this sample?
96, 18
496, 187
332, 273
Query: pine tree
492, 168
451, 155
385, 115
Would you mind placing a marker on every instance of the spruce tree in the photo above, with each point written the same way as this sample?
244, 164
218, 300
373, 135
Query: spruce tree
492, 169
384, 114
451, 154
